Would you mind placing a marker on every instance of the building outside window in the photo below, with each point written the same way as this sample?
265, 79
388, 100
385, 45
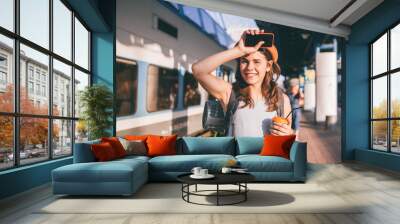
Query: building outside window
3, 78
3, 71
43, 90
30, 87
385, 96
38, 89
30, 72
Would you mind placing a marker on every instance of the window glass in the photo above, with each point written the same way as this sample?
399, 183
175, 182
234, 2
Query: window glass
81, 131
379, 135
126, 79
34, 144
162, 88
62, 138
6, 74
39, 61
379, 56
34, 21
7, 14
191, 94
62, 29
81, 81
379, 98
395, 47
6, 142
395, 94
395, 136
81, 45
62, 91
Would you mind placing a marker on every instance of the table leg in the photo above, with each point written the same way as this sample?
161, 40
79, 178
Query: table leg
217, 194
196, 188
245, 191
188, 189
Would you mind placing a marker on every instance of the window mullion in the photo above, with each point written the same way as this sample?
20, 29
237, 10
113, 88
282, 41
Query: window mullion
16, 84
389, 106
73, 82
50, 81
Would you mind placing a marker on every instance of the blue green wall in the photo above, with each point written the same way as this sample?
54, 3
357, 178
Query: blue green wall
356, 121
99, 15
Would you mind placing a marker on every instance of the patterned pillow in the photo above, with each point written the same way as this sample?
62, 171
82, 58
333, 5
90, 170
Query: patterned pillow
134, 147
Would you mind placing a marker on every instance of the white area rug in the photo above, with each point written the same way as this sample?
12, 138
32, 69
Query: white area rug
166, 198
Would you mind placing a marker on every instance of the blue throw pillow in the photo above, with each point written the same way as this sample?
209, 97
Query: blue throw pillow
207, 145
249, 145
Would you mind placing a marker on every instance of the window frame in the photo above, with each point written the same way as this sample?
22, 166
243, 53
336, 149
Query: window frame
388, 74
178, 96
16, 114
134, 93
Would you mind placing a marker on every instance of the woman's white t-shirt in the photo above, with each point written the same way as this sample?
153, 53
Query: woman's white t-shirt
252, 122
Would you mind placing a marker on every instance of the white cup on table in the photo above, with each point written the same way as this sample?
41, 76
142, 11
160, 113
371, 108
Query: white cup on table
196, 171
203, 172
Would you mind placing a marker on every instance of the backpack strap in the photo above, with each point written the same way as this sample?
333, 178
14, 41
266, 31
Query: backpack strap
231, 109
280, 110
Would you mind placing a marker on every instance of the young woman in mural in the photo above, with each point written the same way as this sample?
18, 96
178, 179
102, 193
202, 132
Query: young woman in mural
260, 99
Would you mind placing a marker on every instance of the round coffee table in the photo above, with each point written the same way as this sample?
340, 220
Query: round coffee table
238, 179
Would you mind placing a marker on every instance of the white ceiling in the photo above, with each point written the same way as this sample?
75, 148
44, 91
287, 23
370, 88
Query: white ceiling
314, 15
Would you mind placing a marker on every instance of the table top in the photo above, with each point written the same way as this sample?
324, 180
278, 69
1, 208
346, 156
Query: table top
220, 178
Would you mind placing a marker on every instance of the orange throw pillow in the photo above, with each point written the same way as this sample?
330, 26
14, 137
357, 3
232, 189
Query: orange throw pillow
161, 145
136, 137
116, 145
103, 152
277, 145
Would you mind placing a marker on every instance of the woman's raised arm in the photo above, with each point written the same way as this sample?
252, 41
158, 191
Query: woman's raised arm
202, 69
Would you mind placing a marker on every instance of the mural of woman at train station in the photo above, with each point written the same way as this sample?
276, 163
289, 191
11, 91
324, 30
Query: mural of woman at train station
159, 91
260, 99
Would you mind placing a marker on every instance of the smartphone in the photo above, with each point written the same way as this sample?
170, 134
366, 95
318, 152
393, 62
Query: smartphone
252, 40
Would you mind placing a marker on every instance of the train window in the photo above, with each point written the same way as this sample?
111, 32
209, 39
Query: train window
191, 91
162, 88
126, 79
165, 27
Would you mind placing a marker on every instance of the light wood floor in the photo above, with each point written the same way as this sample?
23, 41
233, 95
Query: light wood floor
378, 189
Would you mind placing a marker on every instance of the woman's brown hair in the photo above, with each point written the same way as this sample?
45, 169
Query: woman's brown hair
269, 88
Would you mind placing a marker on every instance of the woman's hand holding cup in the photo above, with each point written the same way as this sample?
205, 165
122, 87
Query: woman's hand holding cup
280, 126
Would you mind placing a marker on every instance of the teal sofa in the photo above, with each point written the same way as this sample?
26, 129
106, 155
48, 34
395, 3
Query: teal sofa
125, 176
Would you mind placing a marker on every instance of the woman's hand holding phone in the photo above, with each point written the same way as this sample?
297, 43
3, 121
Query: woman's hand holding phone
248, 50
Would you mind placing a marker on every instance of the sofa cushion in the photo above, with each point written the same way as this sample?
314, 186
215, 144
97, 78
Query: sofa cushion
257, 163
134, 147
103, 151
185, 163
116, 145
277, 145
161, 145
111, 171
83, 152
249, 145
206, 145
